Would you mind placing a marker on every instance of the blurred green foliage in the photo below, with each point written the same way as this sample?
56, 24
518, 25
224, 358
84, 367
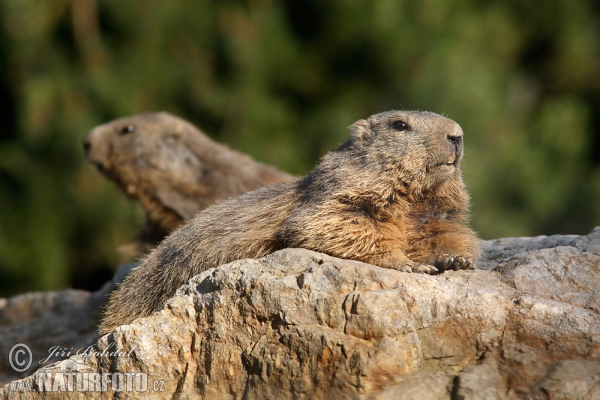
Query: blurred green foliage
281, 80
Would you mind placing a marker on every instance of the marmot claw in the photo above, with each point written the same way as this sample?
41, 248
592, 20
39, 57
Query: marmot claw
449, 261
425, 269
416, 268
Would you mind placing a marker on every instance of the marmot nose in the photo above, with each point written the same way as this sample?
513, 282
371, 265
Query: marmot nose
87, 145
455, 137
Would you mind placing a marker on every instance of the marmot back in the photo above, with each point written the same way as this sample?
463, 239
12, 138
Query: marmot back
392, 196
171, 168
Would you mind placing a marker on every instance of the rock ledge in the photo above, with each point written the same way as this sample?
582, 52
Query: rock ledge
301, 324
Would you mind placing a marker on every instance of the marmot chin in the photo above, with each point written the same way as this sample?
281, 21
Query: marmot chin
392, 195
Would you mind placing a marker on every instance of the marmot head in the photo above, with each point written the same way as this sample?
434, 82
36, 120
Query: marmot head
421, 149
151, 155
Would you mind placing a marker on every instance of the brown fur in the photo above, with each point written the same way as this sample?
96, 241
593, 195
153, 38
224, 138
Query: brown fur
393, 198
171, 168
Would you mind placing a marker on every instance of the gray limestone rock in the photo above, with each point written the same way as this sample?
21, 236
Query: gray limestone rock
55, 323
299, 324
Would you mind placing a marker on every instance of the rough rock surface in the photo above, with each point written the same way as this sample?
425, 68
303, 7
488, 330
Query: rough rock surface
299, 324
67, 319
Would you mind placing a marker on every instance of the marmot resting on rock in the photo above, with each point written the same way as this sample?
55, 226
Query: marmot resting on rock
172, 168
392, 196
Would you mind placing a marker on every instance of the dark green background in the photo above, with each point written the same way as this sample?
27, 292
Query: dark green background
281, 80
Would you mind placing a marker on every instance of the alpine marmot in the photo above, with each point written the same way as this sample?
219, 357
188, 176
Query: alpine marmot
392, 195
172, 168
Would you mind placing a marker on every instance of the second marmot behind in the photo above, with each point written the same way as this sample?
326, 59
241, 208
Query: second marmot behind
392, 196
172, 168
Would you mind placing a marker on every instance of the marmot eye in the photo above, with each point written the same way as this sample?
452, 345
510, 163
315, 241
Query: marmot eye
400, 125
127, 129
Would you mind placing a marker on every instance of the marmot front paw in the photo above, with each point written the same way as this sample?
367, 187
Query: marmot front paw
449, 261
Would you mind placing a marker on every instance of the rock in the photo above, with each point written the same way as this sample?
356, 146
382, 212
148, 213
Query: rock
299, 324
495, 251
571, 380
424, 384
43, 321
564, 274
481, 381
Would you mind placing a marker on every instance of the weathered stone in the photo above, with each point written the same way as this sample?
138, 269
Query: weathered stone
482, 381
44, 321
564, 274
495, 251
571, 380
298, 324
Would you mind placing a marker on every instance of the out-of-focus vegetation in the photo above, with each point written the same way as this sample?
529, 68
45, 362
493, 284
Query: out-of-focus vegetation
281, 80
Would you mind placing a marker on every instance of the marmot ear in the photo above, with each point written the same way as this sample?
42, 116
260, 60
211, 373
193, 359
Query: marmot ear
361, 131
181, 204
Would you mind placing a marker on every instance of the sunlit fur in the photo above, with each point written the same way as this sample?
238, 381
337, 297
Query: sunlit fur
172, 168
385, 197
